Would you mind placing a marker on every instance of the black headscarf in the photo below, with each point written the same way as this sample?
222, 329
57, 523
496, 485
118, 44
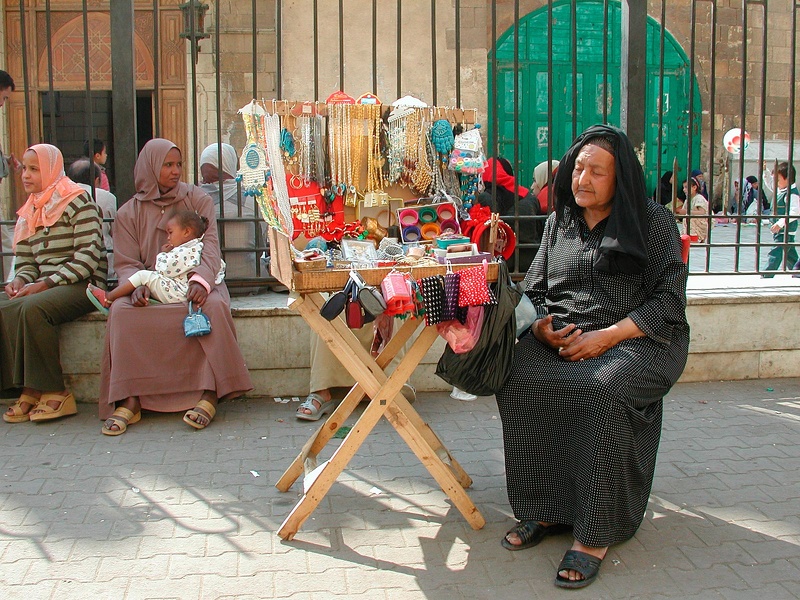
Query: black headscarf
623, 248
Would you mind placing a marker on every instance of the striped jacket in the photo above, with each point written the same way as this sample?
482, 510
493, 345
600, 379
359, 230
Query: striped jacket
70, 251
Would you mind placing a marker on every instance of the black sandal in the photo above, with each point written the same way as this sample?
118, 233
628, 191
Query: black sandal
585, 564
531, 533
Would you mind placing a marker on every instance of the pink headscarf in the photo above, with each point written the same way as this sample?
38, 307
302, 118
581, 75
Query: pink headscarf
147, 171
43, 209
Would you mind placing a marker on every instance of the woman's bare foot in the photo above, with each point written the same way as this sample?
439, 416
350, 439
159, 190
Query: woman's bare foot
324, 394
576, 545
199, 415
54, 404
25, 407
132, 404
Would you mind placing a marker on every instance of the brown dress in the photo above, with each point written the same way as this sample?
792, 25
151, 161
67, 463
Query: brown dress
146, 353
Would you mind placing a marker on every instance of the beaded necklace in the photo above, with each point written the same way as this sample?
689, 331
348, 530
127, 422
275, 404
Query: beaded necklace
272, 135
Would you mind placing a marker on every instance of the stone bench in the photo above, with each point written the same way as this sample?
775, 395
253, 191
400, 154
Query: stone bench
743, 327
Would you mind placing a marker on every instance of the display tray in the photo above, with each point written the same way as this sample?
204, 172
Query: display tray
331, 280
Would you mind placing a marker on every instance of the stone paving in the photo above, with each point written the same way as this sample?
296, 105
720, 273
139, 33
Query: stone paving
170, 513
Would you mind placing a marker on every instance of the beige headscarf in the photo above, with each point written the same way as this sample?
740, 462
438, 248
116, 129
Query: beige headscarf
540, 175
43, 209
210, 156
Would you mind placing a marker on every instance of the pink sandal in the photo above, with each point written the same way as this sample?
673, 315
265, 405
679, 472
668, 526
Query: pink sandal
98, 298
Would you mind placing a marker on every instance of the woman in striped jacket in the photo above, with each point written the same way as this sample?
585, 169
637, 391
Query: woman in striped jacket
58, 246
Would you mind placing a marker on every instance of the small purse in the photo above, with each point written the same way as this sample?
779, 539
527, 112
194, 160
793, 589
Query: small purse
196, 323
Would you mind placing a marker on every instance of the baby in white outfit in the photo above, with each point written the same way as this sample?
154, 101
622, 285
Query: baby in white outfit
169, 283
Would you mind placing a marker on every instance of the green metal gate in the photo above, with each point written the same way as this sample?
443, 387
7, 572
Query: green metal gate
532, 85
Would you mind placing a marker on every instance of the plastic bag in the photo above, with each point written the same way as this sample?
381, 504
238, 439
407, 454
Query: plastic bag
462, 338
524, 314
484, 369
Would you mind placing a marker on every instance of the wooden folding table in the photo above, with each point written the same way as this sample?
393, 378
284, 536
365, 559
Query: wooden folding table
385, 400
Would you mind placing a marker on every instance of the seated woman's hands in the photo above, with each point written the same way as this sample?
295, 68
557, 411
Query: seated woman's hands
13, 288
197, 294
573, 344
18, 288
557, 339
141, 296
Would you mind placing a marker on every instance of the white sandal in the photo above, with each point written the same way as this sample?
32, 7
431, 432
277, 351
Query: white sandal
317, 412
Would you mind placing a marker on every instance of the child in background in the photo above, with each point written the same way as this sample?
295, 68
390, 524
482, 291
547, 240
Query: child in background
699, 207
99, 153
169, 283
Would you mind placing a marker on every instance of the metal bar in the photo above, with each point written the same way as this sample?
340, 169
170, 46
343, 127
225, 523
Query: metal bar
458, 52
573, 55
254, 12
495, 109
375, 47
156, 67
278, 49
605, 63
194, 95
517, 92
762, 129
123, 97
25, 79
341, 45
549, 103
399, 52
434, 83
712, 93
634, 69
51, 98
316, 50
90, 109
792, 105
660, 103
742, 124
690, 129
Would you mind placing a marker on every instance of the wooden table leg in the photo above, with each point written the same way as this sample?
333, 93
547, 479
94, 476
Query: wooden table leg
335, 420
386, 401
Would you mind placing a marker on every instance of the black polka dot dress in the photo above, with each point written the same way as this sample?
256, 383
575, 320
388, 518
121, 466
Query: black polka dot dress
581, 437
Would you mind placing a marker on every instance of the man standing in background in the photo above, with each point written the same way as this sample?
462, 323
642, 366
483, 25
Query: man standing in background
8, 163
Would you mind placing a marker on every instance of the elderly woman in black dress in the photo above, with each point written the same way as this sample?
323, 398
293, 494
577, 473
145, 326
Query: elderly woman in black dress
582, 408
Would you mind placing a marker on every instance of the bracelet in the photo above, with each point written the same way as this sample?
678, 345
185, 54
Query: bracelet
411, 234
430, 231
450, 226
427, 214
409, 217
446, 212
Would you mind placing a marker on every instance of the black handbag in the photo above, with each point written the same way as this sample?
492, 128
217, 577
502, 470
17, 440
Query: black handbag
484, 369
196, 323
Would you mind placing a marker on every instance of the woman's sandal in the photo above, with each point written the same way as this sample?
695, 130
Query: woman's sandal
44, 412
209, 411
20, 416
585, 564
97, 297
531, 533
122, 418
317, 412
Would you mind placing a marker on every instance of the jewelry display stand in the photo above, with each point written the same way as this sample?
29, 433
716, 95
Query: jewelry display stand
382, 390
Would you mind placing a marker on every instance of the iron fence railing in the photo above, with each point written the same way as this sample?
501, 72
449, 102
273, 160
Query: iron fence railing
553, 56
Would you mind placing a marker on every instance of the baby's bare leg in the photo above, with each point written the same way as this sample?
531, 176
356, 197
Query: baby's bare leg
126, 289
